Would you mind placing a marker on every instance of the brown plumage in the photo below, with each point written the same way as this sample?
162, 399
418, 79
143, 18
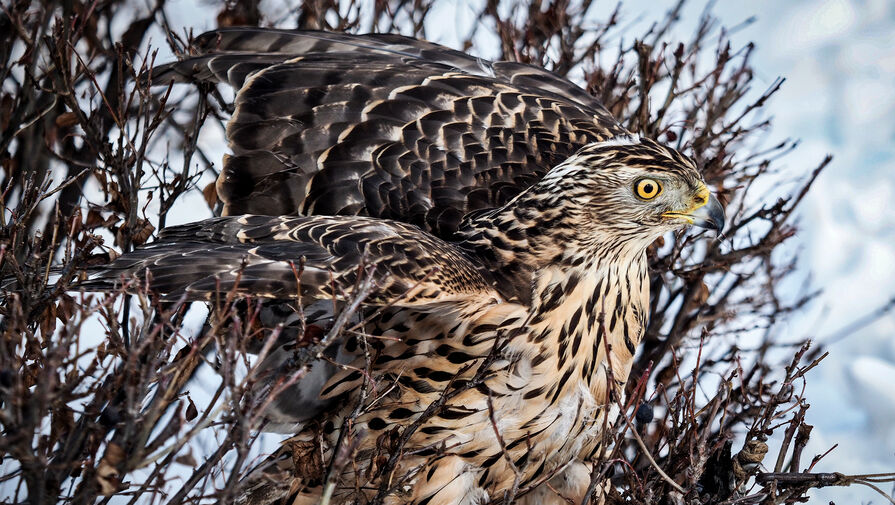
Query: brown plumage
509, 216
383, 125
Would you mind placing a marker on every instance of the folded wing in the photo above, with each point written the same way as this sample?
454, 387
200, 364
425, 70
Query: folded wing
307, 258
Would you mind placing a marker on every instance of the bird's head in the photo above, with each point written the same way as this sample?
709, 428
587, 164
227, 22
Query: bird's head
629, 189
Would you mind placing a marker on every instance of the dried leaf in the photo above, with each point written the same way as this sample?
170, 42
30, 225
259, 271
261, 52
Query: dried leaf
701, 295
48, 321
66, 119
191, 410
239, 14
142, 231
6, 108
66, 308
101, 351
107, 474
210, 193
186, 459
62, 421
657, 244
94, 219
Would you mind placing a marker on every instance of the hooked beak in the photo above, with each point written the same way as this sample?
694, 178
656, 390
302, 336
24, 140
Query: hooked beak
710, 215
706, 212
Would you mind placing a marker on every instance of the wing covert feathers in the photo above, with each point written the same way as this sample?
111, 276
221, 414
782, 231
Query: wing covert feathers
384, 125
280, 257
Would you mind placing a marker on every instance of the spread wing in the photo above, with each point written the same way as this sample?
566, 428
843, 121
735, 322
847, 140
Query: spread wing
310, 258
384, 125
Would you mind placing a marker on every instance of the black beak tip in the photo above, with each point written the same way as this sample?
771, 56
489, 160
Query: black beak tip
717, 219
710, 216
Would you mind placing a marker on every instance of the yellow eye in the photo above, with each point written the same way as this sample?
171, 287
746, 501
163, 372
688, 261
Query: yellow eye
648, 188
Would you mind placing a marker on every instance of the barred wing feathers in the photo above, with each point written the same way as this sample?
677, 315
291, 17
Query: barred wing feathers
267, 257
384, 125
266, 46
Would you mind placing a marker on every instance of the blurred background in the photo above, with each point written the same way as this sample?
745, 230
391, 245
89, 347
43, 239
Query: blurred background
838, 58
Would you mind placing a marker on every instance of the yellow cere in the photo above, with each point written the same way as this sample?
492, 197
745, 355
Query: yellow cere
699, 200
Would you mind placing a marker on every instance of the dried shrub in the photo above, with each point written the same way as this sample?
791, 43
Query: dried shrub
94, 388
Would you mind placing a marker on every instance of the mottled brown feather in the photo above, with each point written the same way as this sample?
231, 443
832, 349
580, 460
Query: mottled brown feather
270, 257
384, 125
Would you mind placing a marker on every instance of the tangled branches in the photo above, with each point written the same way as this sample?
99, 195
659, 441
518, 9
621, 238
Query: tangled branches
99, 394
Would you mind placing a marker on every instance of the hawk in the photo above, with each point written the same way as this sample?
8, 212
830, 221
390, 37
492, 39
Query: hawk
505, 215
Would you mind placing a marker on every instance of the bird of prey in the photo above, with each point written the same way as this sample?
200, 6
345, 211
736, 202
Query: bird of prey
505, 215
